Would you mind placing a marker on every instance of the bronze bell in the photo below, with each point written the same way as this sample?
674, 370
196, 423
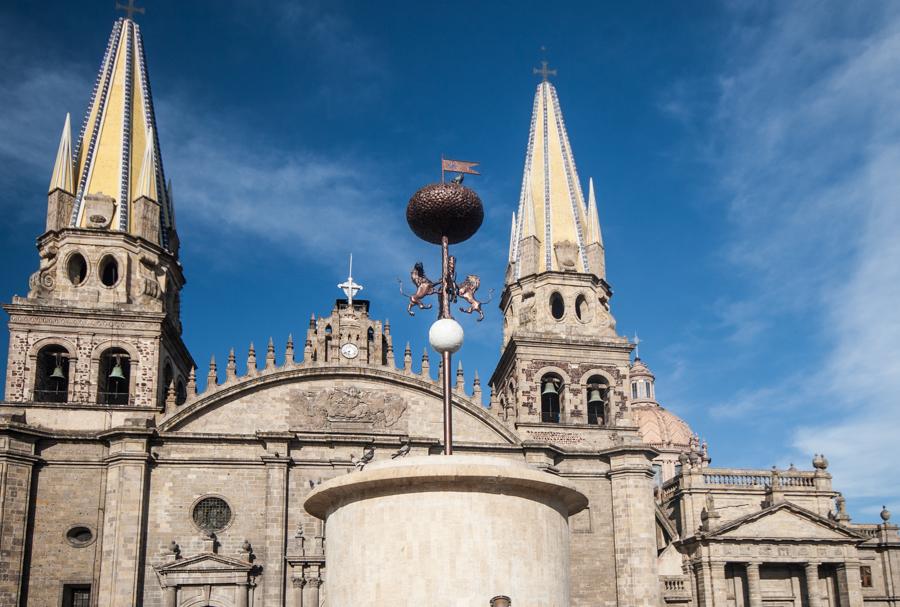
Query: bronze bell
57, 370
549, 388
116, 372
594, 396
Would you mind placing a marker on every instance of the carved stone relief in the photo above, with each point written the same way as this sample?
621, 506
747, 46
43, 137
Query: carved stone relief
351, 405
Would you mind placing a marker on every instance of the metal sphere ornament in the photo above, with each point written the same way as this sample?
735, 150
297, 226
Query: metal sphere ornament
444, 209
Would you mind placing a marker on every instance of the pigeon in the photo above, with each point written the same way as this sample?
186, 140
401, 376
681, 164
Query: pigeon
402, 451
367, 456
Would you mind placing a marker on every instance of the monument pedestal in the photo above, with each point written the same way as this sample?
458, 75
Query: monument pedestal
446, 531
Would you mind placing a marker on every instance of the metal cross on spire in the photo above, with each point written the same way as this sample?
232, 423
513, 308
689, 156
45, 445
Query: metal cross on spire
544, 72
130, 9
349, 287
637, 346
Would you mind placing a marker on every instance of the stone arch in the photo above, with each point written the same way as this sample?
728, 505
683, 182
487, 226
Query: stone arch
32, 355
565, 395
134, 362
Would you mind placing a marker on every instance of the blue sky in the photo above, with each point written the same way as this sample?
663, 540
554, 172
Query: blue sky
745, 156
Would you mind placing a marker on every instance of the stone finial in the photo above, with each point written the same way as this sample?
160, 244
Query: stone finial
270, 355
192, 382
212, 378
251, 360
171, 397
709, 516
407, 358
387, 327
885, 514
460, 378
842, 517
426, 367
476, 388
289, 351
312, 322
389, 354
173, 552
307, 351
819, 462
230, 367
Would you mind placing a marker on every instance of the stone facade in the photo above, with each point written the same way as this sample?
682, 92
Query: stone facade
123, 482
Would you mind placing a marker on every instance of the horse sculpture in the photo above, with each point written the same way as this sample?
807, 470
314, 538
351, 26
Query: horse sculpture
466, 290
424, 287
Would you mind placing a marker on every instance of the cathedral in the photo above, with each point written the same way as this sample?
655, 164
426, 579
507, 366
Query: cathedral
128, 479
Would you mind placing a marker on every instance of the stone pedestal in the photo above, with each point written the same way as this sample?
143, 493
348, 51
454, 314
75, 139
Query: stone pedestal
447, 531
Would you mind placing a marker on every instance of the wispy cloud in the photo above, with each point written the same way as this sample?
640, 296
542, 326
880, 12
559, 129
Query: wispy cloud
809, 143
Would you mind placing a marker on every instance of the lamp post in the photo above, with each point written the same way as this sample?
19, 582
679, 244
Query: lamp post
443, 214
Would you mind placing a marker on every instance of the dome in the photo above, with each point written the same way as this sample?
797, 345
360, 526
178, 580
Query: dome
662, 428
640, 369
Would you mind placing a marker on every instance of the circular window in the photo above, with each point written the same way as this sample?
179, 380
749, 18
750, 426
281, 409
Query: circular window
212, 514
557, 306
77, 269
109, 271
80, 536
582, 309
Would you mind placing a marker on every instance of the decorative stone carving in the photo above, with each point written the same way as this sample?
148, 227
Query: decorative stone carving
99, 208
566, 255
351, 404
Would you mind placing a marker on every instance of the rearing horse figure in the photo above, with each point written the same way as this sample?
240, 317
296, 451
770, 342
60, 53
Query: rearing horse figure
424, 288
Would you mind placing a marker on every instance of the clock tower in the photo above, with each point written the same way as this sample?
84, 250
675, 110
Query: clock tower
348, 335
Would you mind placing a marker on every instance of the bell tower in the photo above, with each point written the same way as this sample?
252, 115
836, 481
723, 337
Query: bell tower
563, 361
100, 324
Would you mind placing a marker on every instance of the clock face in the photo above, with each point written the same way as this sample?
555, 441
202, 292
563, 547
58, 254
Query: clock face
349, 350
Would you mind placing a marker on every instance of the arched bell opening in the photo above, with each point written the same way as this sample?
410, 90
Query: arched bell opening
551, 398
51, 382
597, 399
114, 381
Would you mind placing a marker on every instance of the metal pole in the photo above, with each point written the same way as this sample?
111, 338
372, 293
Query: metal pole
445, 313
448, 407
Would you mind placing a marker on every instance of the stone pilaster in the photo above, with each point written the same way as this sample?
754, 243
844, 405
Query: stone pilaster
123, 517
276, 521
637, 579
59, 209
17, 461
813, 588
719, 585
849, 587
753, 585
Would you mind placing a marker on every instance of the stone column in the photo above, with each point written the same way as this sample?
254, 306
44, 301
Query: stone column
123, 518
719, 588
704, 583
637, 578
171, 596
813, 588
297, 582
16, 465
242, 598
311, 592
753, 585
849, 588
276, 527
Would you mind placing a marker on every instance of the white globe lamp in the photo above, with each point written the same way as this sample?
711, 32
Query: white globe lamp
446, 335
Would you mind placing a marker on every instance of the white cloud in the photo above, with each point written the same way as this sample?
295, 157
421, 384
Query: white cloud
810, 141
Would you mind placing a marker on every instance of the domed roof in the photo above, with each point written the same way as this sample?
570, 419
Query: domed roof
640, 369
661, 428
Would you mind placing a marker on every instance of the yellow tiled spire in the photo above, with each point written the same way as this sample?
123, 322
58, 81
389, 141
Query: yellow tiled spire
551, 205
118, 149
62, 169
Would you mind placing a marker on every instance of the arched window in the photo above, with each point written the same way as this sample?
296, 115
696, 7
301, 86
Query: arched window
647, 389
180, 392
557, 306
597, 396
166, 382
114, 382
51, 381
327, 342
551, 389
